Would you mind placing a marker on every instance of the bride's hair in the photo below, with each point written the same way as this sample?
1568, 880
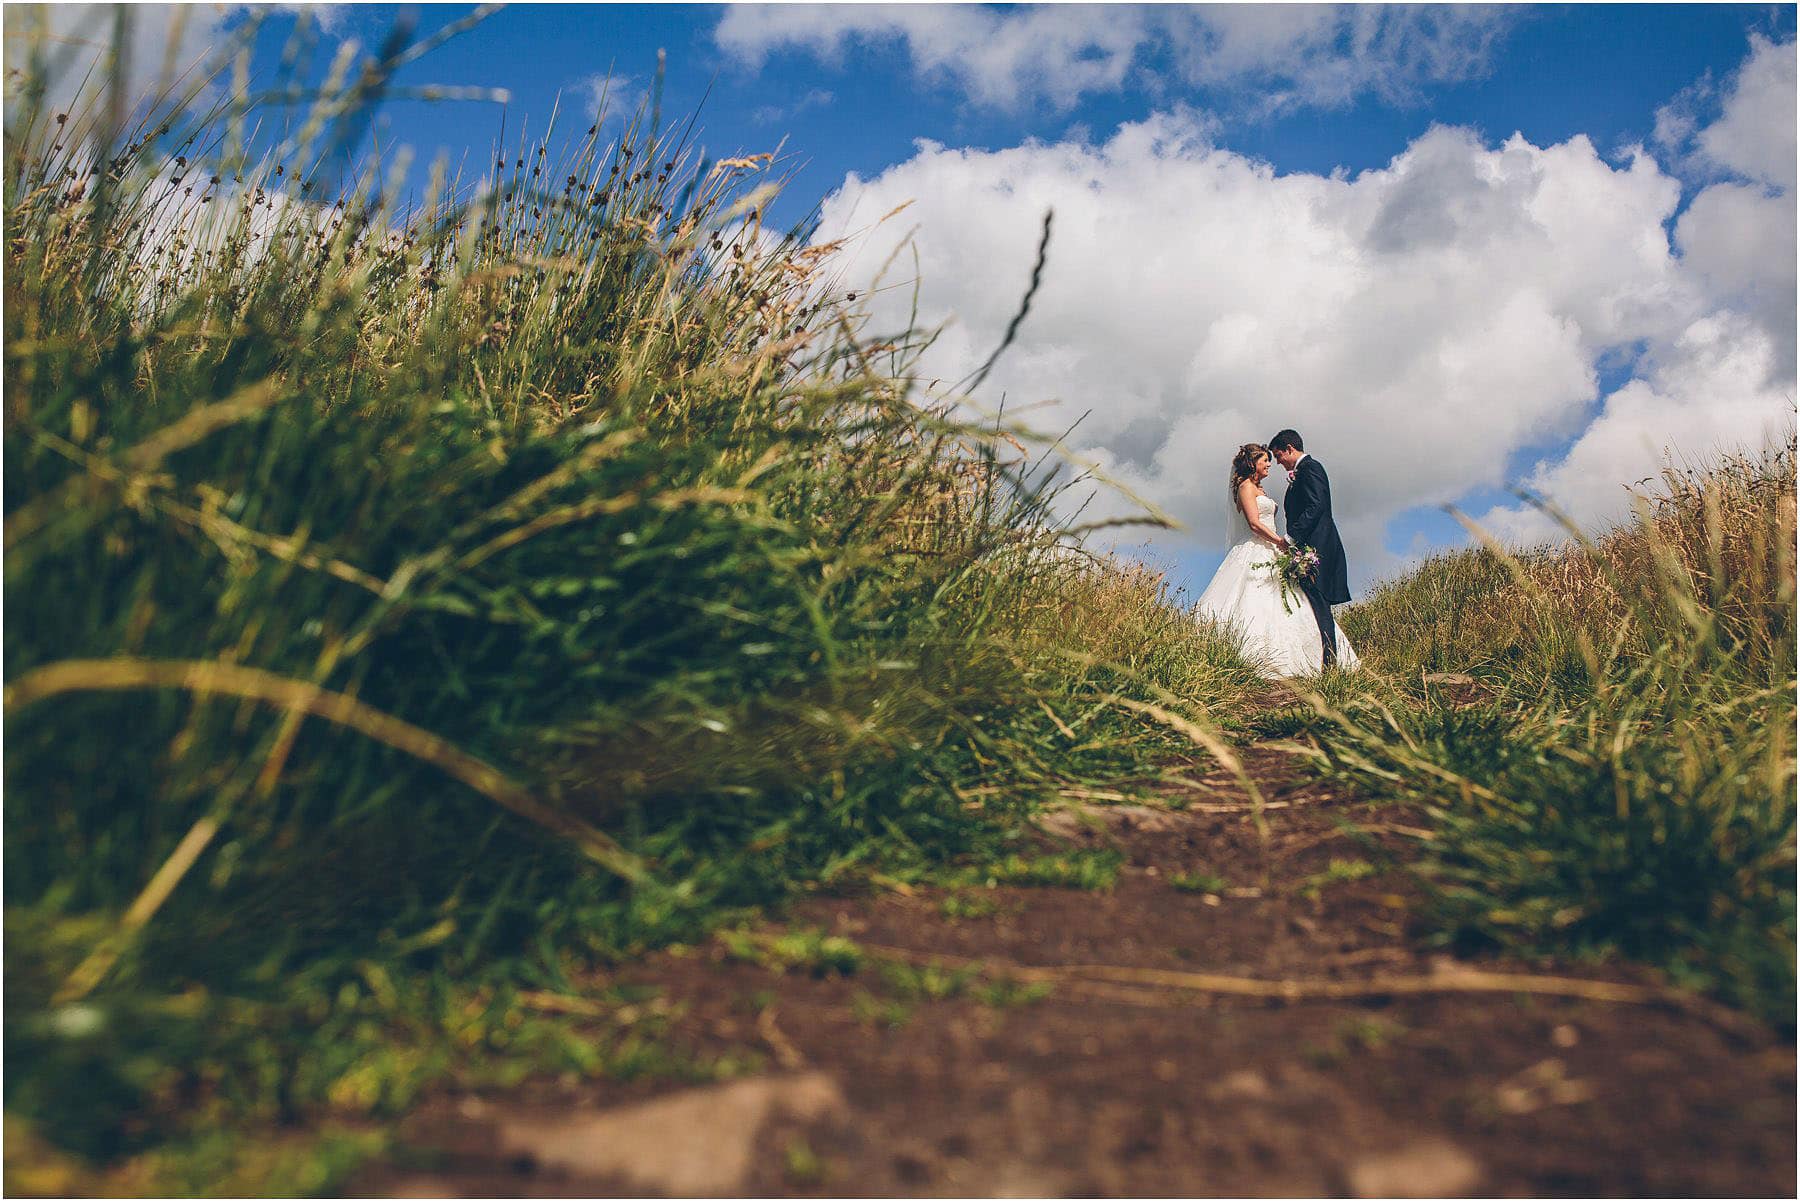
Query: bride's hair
1243, 466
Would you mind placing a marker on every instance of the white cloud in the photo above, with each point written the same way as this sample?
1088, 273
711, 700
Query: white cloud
332, 18
1709, 396
1754, 137
1739, 241
613, 96
1421, 324
1725, 381
1060, 52
1741, 130
1270, 56
1677, 120
165, 40
1738, 234
814, 98
1328, 55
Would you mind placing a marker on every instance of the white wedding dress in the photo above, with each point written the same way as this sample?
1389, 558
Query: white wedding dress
1245, 595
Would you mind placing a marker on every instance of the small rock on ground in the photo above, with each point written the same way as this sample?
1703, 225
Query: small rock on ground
700, 1142
1428, 1168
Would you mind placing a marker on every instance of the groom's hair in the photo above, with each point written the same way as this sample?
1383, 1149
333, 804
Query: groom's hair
1287, 440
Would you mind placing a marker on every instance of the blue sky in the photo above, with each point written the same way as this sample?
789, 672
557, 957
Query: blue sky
1331, 120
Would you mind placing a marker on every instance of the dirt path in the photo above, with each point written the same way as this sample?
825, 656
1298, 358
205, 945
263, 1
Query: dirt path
874, 1086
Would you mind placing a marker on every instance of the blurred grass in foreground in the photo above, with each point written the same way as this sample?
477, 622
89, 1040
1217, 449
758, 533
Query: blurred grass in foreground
407, 609
1619, 778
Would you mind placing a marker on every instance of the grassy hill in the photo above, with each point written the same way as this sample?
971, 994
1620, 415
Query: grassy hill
1616, 776
408, 609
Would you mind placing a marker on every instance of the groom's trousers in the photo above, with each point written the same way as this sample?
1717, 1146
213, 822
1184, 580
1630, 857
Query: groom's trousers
1327, 626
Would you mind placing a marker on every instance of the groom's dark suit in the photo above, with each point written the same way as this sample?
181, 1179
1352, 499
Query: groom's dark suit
1309, 524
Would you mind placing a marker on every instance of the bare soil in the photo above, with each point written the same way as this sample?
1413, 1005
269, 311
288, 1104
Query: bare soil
1138, 1088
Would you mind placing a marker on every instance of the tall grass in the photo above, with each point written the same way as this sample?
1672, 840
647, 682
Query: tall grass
1620, 780
407, 606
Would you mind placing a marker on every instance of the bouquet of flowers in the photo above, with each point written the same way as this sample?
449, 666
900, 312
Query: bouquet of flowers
1293, 566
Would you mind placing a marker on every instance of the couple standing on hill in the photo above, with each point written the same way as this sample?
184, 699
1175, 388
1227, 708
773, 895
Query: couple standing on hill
1254, 590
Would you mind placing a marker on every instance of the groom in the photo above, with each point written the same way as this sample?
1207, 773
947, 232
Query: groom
1309, 524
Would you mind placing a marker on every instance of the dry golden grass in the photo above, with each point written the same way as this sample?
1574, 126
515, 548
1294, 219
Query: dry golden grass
1712, 549
1622, 780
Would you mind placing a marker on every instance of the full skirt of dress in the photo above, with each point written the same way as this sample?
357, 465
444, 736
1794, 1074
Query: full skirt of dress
1245, 595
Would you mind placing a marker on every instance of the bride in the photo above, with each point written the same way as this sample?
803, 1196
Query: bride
1245, 594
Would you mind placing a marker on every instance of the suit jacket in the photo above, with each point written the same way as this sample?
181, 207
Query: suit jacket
1309, 524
